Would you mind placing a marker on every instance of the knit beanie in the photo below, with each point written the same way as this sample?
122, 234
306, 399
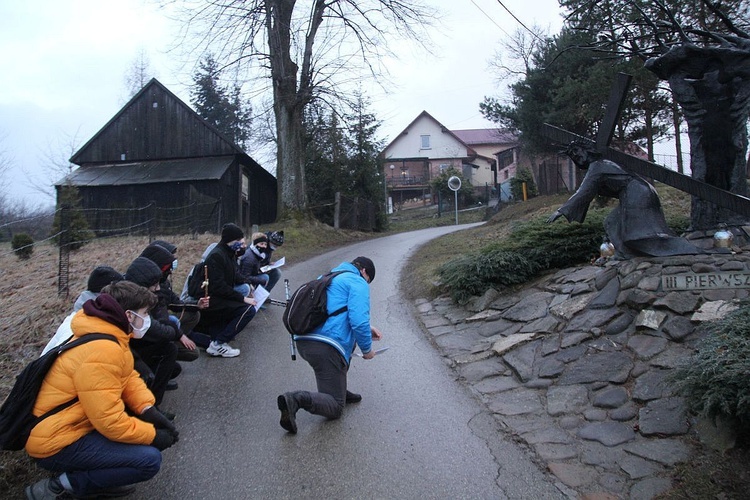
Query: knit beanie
276, 238
260, 239
143, 272
169, 246
231, 232
159, 255
367, 265
101, 277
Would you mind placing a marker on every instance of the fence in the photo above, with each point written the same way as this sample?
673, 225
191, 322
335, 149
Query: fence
75, 227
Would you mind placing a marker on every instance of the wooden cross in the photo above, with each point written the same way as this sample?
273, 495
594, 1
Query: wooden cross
717, 196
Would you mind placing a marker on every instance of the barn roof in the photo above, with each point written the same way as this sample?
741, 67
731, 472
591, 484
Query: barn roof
154, 125
149, 172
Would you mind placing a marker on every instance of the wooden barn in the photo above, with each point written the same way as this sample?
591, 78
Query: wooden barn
158, 160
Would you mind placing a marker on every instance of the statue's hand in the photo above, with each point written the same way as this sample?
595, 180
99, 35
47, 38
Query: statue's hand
555, 215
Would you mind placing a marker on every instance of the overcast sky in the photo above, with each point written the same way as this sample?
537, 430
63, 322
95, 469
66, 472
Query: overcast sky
64, 64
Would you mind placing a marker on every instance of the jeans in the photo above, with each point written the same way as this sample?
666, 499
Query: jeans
95, 463
224, 332
330, 375
274, 275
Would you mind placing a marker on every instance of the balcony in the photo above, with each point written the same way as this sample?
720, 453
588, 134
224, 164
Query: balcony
406, 181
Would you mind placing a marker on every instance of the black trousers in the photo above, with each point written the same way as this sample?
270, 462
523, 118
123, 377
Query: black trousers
330, 375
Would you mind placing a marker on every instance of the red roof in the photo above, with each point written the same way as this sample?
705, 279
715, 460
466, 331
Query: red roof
485, 136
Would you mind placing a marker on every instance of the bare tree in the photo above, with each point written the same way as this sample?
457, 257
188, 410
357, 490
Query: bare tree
56, 160
138, 74
309, 50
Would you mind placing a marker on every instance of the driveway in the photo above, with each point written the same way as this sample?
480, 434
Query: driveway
417, 433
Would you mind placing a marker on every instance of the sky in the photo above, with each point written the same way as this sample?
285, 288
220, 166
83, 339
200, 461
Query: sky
64, 65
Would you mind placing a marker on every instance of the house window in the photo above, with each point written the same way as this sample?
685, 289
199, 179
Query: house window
245, 187
425, 141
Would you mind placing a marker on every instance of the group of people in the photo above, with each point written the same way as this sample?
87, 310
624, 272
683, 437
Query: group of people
113, 434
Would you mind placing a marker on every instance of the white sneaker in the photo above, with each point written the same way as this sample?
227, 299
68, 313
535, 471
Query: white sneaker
224, 350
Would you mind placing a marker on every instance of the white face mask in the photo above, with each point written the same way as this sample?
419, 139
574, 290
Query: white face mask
138, 333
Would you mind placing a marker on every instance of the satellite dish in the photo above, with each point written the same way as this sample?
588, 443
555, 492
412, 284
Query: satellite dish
454, 183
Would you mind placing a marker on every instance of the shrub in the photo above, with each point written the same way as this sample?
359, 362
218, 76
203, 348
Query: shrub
716, 379
23, 245
516, 184
473, 274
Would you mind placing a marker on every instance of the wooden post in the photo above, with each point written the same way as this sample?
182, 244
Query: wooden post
337, 210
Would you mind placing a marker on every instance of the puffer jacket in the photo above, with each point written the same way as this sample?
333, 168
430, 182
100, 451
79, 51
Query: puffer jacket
101, 374
347, 330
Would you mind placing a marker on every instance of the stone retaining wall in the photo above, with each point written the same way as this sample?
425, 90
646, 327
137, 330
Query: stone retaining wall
575, 365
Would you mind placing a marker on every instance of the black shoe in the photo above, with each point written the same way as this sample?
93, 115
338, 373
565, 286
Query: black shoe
172, 385
352, 397
288, 406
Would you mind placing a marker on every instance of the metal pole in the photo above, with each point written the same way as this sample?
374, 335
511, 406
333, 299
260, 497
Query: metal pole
455, 195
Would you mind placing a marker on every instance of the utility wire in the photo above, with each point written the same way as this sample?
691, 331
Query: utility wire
517, 20
491, 20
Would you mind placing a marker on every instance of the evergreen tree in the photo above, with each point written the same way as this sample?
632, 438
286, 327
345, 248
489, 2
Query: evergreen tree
567, 84
76, 232
363, 160
220, 105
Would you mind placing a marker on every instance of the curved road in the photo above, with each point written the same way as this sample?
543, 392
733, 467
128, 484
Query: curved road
417, 433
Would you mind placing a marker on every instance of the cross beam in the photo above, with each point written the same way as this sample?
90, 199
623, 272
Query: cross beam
712, 194
717, 196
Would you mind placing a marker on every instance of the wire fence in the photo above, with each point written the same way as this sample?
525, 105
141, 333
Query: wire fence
72, 227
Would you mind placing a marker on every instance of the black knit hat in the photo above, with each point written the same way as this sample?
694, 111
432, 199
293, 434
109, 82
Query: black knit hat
169, 246
260, 239
367, 265
276, 238
231, 232
159, 255
143, 272
101, 277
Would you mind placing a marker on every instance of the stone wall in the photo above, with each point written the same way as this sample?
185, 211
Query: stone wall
576, 365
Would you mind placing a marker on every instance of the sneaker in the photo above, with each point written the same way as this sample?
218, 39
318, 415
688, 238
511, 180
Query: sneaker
46, 489
224, 350
288, 406
352, 397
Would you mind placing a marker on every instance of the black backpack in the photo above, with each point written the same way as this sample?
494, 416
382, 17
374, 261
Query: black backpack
307, 307
16, 417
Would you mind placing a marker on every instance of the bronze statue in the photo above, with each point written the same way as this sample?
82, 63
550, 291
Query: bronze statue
636, 226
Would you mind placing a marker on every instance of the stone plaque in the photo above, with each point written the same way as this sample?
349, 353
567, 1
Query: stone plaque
705, 281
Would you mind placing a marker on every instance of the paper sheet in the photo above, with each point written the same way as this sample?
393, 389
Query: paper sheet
273, 265
377, 351
260, 295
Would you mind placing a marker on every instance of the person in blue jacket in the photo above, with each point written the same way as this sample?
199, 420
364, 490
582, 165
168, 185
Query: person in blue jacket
328, 349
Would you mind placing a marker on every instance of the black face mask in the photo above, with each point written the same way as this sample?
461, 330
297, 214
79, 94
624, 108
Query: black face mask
240, 252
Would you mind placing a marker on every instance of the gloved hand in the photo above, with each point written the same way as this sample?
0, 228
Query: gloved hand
153, 416
163, 439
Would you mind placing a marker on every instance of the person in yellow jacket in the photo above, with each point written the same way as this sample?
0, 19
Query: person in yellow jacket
96, 445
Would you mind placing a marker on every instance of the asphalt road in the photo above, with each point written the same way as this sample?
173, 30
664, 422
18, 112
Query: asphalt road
418, 433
